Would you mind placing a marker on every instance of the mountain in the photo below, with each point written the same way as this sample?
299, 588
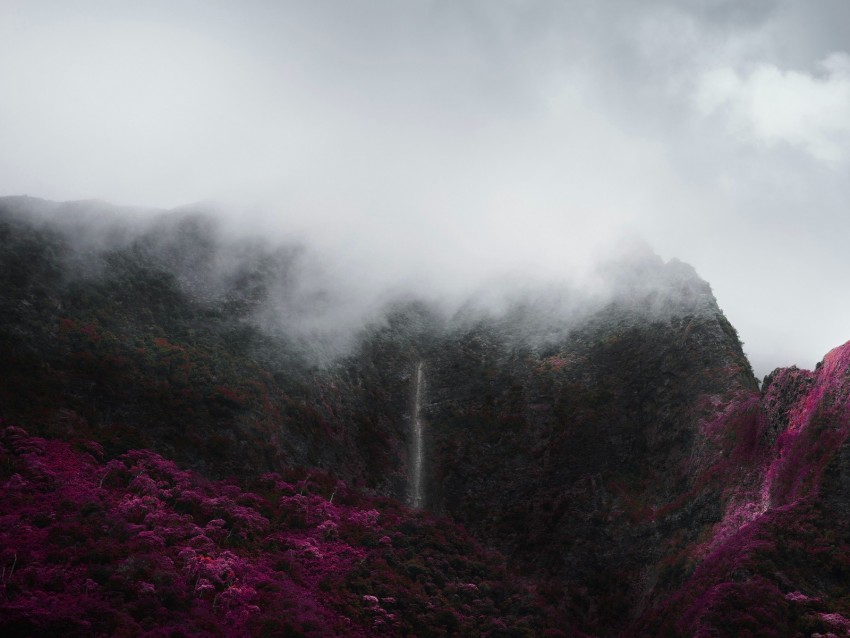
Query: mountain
598, 462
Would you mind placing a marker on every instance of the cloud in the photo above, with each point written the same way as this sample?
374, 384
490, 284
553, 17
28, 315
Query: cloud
434, 145
810, 111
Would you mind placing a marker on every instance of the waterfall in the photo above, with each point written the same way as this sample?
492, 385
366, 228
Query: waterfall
415, 479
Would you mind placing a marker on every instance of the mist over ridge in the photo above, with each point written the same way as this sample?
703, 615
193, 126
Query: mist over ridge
293, 287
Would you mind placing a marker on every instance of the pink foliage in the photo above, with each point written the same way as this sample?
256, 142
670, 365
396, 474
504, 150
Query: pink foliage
136, 546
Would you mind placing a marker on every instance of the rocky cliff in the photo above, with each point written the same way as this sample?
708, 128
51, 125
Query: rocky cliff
777, 562
580, 453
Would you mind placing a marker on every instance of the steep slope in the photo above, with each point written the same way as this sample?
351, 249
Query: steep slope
139, 547
578, 451
778, 563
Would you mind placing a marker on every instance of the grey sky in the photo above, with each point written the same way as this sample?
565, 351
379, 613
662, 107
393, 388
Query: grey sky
444, 142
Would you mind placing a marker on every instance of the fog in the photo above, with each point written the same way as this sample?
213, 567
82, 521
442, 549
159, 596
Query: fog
444, 146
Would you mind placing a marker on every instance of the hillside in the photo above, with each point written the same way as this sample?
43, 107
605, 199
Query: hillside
136, 546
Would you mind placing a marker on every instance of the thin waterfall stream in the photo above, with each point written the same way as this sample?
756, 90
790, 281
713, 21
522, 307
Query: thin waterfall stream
416, 497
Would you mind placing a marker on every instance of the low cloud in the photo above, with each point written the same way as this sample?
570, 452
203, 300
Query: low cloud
768, 105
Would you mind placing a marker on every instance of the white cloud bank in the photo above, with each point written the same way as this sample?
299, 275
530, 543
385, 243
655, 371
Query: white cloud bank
767, 105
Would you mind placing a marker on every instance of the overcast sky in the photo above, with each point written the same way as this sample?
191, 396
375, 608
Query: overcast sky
451, 140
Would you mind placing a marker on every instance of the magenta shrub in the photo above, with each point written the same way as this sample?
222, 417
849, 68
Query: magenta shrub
134, 546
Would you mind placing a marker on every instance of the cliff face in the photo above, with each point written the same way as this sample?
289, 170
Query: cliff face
580, 454
616, 450
777, 563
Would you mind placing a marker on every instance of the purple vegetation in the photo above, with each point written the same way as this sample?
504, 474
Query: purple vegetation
136, 546
777, 564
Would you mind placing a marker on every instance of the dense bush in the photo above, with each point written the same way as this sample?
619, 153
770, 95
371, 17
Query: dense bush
136, 546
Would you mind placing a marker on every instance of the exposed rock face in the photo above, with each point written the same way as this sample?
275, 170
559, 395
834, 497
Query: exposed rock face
781, 392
